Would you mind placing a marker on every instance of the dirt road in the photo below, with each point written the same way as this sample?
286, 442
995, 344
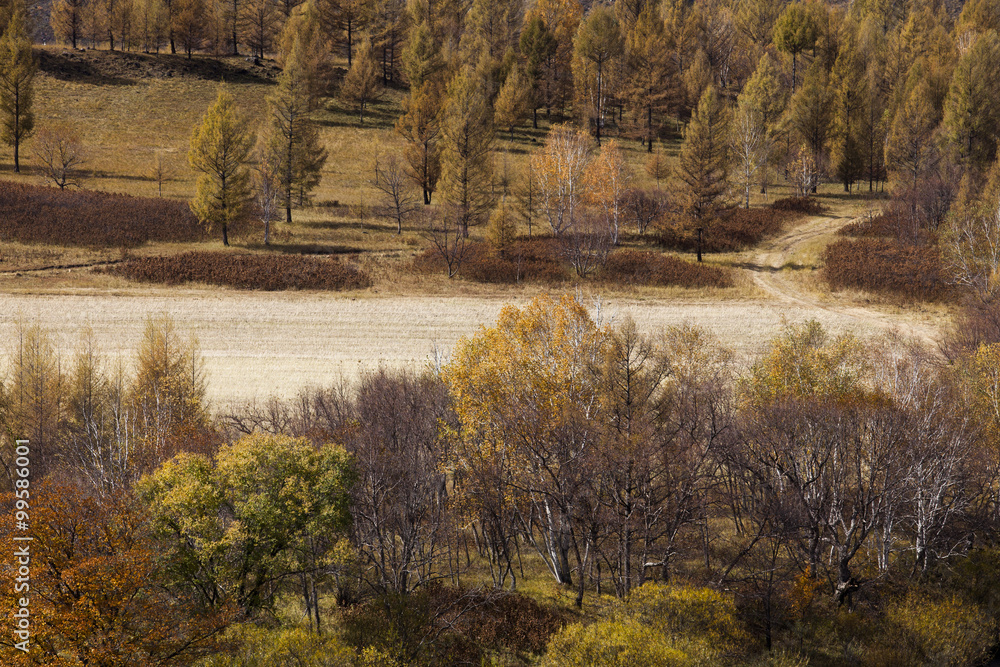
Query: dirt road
257, 344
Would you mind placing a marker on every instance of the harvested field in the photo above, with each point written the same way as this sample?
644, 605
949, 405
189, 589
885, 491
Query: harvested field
262, 344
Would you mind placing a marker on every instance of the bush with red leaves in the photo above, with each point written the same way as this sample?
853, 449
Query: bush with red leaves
886, 265
732, 230
537, 260
244, 271
807, 205
35, 214
637, 267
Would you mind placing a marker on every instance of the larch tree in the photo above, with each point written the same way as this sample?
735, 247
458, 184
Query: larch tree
649, 67
794, 32
467, 136
67, 20
598, 44
292, 135
910, 150
259, 20
848, 90
810, 115
971, 118
422, 59
538, 47
704, 160
511, 105
17, 85
763, 100
420, 127
362, 84
220, 152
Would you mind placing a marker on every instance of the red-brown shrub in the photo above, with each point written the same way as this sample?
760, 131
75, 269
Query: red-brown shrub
807, 205
732, 230
527, 260
35, 214
883, 265
244, 271
637, 267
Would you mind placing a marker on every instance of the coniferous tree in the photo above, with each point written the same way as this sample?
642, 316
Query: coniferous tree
971, 116
649, 68
811, 115
361, 85
220, 151
467, 135
538, 47
293, 138
704, 160
764, 99
67, 20
794, 32
17, 84
911, 150
598, 44
420, 127
511, 104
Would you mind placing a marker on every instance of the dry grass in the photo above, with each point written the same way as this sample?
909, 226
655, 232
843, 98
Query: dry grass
260, 344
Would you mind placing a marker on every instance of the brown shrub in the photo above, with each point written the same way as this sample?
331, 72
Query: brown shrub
807, 205
883, 265
526, 260
636, 267
35, 214
244, 271
732, 230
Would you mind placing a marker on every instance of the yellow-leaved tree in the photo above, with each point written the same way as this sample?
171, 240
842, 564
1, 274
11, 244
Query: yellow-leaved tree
526, 401
220, 151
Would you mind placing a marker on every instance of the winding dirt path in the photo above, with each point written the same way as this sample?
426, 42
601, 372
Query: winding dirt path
775, 273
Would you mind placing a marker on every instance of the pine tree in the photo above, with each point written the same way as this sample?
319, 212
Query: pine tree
220, 151
293, 138
420, 127
361, 85
17, 84
704, 160
466, 150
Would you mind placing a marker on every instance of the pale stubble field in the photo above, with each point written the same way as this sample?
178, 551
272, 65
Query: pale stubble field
258, 344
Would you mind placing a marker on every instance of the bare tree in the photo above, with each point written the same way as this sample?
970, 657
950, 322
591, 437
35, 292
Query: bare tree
749, 147
444, 231
391, 180
587, 243
160, 173
267, 190
61, 153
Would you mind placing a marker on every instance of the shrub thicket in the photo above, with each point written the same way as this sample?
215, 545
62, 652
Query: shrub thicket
537, 260
245, 271
886, 265
732, 230
637, 267
35, 214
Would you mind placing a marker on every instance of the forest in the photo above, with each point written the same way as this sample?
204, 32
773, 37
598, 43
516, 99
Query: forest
563, 489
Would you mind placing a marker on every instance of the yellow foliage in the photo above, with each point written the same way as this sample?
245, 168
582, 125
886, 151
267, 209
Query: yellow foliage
803, 362
924, 631
612, 644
